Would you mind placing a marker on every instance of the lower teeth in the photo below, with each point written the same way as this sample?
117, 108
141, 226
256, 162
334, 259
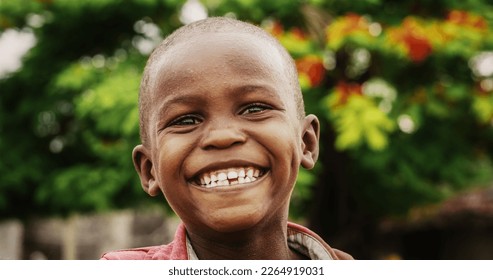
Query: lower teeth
229, 183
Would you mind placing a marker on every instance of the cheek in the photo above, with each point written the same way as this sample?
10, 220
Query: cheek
172, 152
170, 158
283, 140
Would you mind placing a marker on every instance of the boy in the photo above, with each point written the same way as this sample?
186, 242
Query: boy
223, 133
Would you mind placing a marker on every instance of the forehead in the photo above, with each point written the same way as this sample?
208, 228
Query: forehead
211, 55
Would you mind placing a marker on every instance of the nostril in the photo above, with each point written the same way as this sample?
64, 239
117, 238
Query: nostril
222, 138
222, 145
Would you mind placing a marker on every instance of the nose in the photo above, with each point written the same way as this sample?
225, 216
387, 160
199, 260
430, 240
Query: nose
222, 137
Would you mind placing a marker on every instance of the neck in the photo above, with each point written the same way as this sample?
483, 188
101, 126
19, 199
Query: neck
264, 243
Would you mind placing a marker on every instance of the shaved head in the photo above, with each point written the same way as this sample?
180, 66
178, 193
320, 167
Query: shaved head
210, 25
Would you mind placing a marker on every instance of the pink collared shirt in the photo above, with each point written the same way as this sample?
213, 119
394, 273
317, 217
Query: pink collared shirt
300, 239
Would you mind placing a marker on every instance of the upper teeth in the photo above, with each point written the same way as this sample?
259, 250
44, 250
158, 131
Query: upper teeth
230, 176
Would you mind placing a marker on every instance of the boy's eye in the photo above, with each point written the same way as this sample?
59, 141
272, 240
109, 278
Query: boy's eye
186, 120
255, 108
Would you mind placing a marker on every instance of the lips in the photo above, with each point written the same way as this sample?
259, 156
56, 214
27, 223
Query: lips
229, 176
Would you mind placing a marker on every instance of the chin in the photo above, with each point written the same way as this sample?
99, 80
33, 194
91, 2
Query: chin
236, 223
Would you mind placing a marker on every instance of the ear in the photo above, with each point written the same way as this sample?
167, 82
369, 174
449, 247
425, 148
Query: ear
310, 136
143, 165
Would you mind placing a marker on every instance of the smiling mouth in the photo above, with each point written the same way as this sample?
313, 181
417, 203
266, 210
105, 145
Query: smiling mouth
229, 177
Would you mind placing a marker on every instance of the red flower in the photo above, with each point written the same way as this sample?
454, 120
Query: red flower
345, 90
298, 33
413, 36
313, 67
467, 19
355, 21
419, 48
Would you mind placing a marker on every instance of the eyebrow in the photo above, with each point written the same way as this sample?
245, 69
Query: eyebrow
198, 98
252, 89
177, 99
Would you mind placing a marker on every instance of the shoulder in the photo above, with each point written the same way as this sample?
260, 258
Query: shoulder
312, 245
176, 250
129, 254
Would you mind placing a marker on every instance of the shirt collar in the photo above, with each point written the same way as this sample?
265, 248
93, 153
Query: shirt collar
301, 242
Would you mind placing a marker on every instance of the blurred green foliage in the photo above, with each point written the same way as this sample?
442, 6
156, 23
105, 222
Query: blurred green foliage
396, 81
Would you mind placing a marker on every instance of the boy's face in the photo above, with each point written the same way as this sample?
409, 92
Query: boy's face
223, 109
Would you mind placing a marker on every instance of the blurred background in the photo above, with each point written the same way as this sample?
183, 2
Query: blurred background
404, 91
